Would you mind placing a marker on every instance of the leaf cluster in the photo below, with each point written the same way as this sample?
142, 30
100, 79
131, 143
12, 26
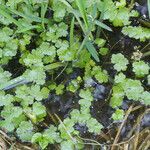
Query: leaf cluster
51, 38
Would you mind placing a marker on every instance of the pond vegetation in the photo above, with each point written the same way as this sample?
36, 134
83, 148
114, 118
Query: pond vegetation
74, 74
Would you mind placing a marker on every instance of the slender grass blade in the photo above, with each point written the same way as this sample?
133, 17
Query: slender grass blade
71, 32
80, 4
102, 25
92, 50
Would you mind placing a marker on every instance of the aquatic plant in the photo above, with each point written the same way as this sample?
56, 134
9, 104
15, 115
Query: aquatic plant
48, 40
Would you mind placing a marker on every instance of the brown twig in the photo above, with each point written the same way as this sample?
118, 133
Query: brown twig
144, 47
144, 145
116, 43
136, 138
146, 54
137, 122
121, 126
65, 128
53, 118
